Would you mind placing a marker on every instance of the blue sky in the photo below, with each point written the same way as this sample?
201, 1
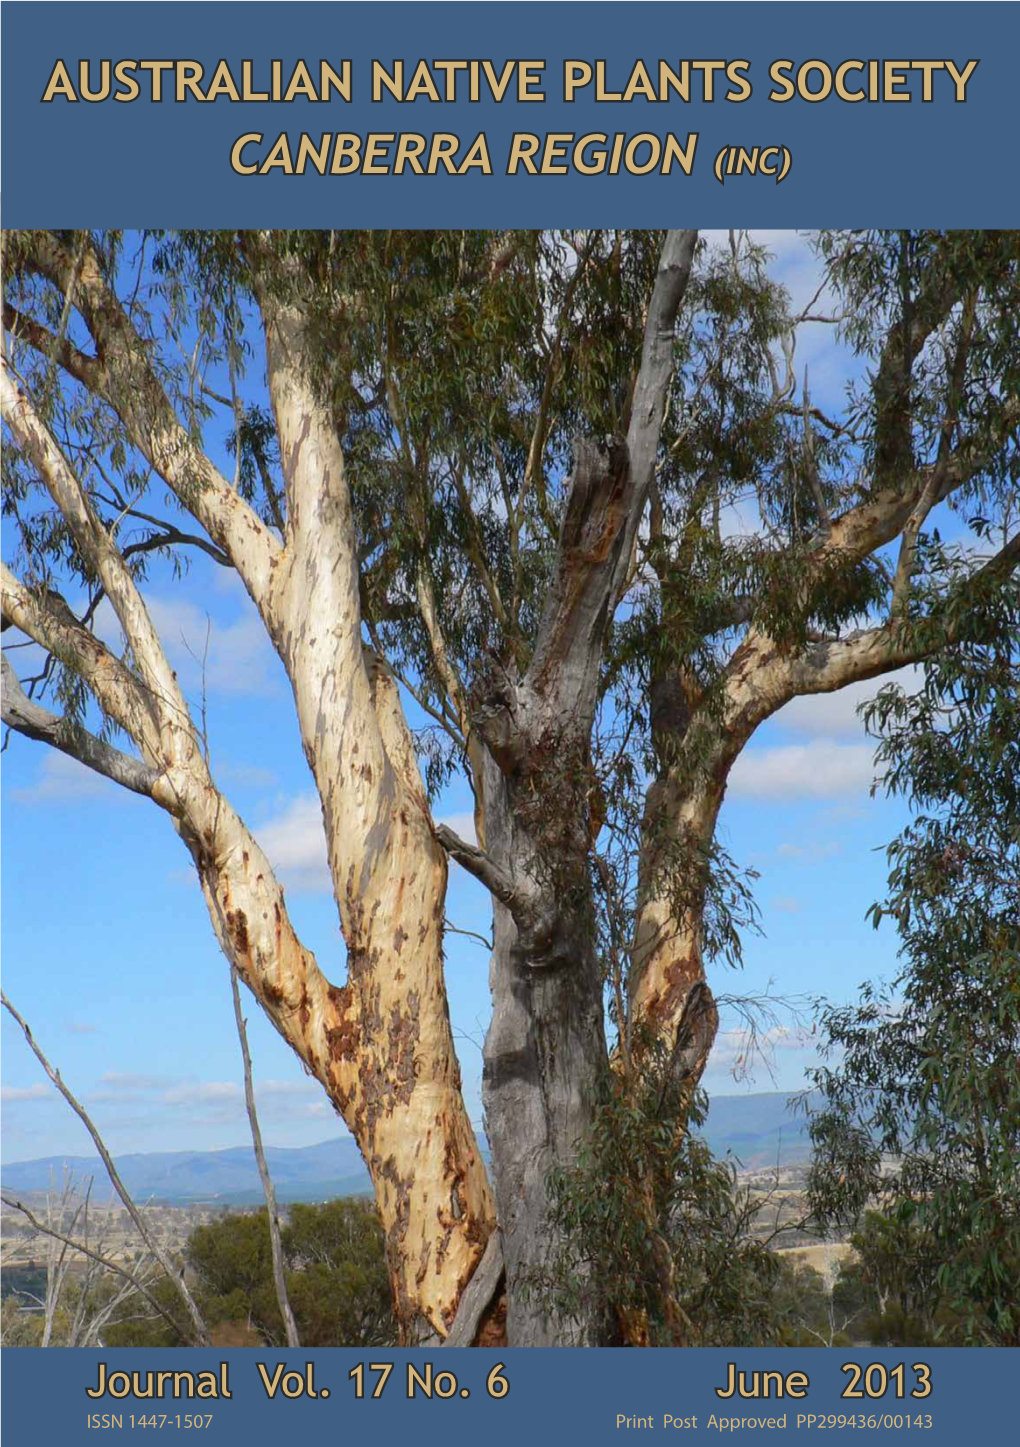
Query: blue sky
108, 951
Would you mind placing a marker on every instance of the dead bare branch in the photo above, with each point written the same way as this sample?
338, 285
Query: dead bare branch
199, 1330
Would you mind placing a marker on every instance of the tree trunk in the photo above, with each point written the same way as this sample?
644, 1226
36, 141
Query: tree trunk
545, 1053
545, 1056
669, 937
392, 1068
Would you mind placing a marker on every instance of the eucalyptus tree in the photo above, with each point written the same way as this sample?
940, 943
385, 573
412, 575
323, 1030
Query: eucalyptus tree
925, 1070
566, 492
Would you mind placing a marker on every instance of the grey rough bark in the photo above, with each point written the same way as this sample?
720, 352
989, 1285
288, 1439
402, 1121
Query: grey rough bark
35, 722
545, 1052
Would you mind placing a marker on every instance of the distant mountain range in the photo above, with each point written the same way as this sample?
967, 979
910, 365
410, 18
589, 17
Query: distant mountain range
760, 1130
304, 1173
756, 1129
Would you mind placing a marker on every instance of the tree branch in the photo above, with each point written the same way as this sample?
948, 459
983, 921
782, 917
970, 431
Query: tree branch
810, 462
123, 376
171, 535
83, 368
478, 863
445, 668
476, 553
825, 667
477, 1295
118, 691
34, 722
919, 318
534, 475
198, 1324
606, 498
97, 546
92, 1255
884, 513
656, 368
238, 882
905, 565
279, 1280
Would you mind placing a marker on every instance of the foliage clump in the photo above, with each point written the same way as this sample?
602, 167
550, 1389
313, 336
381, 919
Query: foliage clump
922, 1101
657, 1238
335, 1271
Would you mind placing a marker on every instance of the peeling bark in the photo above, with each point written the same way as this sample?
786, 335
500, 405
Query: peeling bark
381, 1044
390, 1055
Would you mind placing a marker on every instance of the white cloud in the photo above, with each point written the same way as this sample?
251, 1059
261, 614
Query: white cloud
208, 1100
786, 904
287, 1099
222, 1101
239, 658
12, 1093
738, 1052
207, 1092
123, 1080
808, 853
295, 842
274, 1089
121, 1087
821, 769
252, 776
318, 1110
62, 780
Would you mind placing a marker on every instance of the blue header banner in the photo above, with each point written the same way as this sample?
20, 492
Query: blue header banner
524, 114
508, 1397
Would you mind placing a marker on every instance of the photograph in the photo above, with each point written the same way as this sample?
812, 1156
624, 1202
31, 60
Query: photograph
511, 743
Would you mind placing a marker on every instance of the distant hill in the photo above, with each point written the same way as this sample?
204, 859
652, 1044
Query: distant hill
754, 1129
304, 1173
759, 1129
